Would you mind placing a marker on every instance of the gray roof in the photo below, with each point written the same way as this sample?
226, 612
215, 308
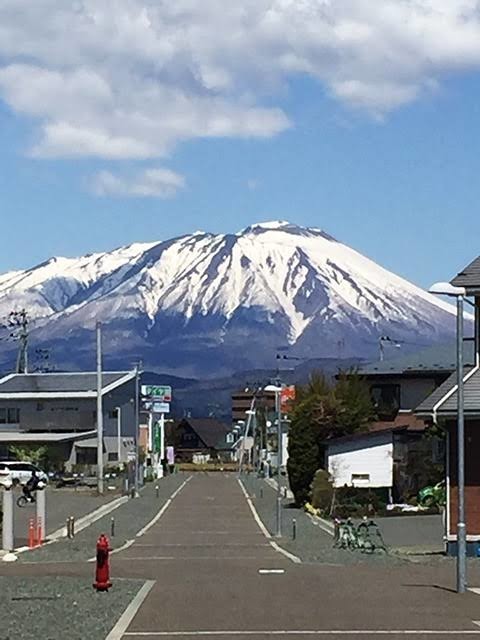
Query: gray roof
469, 277
211, 431
436, 359
445, 396
55, 383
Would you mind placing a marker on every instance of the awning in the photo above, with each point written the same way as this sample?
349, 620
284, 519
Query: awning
7, 437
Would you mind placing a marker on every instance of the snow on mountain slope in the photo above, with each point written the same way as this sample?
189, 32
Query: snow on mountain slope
204, 301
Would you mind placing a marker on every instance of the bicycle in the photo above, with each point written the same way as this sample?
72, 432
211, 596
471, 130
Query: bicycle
23, 500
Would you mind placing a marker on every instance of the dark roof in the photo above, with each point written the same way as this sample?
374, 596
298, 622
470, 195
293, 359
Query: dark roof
33, 383
436, 359
469, 277
448, 405
211, 431
365, 435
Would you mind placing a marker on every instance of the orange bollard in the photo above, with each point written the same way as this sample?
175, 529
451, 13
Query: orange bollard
31, 534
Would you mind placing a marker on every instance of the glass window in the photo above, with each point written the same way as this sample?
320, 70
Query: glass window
386, 400
113, 457
3, 416
13, 416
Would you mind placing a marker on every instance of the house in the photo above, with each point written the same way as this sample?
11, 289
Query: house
394, 454
441, 408
393, 459
60, 409
201, 440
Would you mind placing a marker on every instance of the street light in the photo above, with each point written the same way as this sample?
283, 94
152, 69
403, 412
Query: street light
277, 391
447, 289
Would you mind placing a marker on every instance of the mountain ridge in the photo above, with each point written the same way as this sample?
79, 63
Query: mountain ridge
207, 303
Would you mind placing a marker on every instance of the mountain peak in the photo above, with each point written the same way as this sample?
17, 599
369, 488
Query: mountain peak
286, 227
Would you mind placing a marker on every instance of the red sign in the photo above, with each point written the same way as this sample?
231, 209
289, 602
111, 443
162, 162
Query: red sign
287, 398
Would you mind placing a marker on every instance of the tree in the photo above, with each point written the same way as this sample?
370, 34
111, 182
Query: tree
311, 419
323, 411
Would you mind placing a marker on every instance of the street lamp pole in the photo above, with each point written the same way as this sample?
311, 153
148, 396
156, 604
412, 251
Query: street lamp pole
447, 289
137, 427
461, 527
278, 406
279, 463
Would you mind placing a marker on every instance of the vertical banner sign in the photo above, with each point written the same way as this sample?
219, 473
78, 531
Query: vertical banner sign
287, 398
157, 438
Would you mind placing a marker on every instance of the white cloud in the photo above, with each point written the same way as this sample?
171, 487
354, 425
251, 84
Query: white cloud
151, 183
133, 78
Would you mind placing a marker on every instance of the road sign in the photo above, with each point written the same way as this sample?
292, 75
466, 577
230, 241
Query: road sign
160, 393
156, 407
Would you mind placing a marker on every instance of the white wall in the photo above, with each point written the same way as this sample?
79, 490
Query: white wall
372, 456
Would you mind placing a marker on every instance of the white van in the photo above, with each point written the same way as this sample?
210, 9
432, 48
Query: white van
19, 472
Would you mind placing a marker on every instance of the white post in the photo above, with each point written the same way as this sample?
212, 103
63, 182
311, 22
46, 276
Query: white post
99, 412
7, 530
119, 434
150, 432
162, 446
42, 511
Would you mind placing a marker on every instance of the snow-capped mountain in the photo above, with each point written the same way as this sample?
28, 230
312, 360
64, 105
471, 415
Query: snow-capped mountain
207, 304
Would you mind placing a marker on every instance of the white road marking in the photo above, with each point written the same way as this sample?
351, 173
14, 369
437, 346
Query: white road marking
268, 571
154, 520
190, 558
475, 590
264, 530
130, 612
303, 632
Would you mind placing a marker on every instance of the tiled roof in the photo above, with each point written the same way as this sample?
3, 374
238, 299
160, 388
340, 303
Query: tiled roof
439, 358
469, 277
210, 430
471, 402
33, 383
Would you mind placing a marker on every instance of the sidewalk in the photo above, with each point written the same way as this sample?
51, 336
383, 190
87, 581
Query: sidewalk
129, 518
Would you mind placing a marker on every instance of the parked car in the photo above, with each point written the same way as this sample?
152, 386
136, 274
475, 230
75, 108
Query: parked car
20, 472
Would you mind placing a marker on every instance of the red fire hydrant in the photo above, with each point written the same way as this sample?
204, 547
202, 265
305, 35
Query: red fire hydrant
102, 573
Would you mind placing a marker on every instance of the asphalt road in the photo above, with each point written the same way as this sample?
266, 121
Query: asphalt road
207, 556
202, 567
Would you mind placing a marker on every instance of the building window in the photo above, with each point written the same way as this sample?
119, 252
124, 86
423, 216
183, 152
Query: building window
113, 457
230, 438
113, 414
9, 416
40, 406
360, 478
386, 400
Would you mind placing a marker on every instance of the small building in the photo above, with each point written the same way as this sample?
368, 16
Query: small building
391, 458
60, 409
201, 440
441, 409
242, 402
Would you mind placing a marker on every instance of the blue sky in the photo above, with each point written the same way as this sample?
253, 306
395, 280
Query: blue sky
381, 153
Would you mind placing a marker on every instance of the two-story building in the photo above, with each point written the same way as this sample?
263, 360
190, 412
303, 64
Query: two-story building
60, 410
441, 408
394, 453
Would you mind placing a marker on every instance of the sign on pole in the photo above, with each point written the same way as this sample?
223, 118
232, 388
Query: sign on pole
159, 393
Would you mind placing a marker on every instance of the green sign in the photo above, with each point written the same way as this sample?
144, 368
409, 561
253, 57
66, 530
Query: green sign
160, 393
157, 433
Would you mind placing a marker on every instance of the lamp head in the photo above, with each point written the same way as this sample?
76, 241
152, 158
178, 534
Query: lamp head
272, 387
446, 289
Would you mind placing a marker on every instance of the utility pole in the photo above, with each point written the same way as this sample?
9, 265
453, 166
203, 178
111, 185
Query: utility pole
99, 412
137, 426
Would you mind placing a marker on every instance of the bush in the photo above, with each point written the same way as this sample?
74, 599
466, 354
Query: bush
322, 492
353, 502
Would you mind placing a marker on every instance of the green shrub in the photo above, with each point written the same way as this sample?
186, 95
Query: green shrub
322, 491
